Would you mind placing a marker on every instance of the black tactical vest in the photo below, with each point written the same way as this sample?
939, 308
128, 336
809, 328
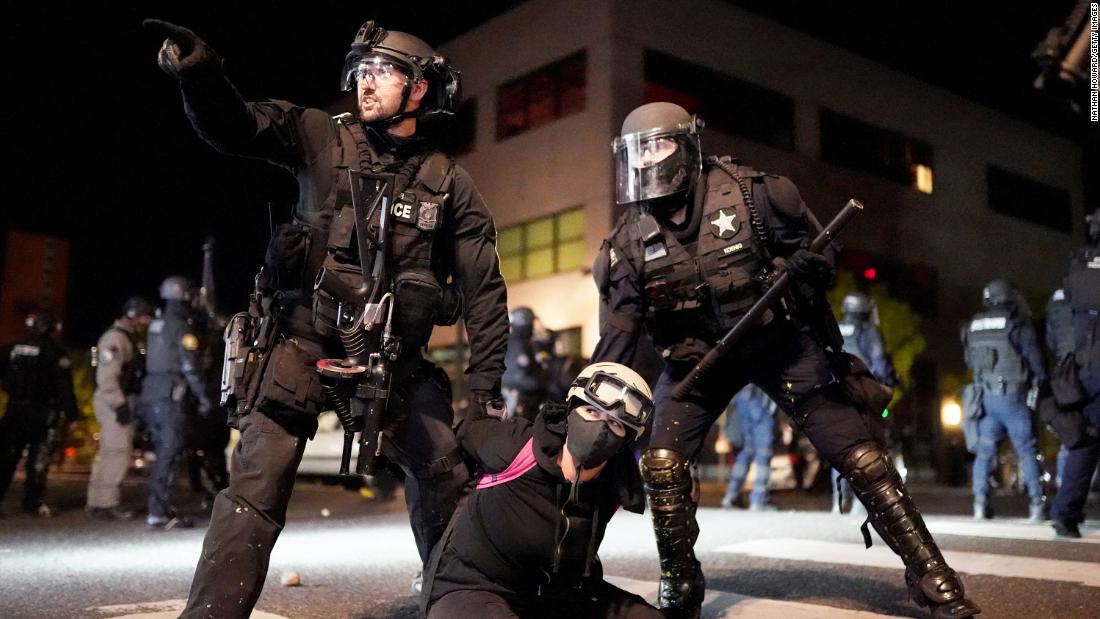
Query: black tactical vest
1060, 324
1083, 280
700, 289
30, 368
850, 330
997, 365
422, 189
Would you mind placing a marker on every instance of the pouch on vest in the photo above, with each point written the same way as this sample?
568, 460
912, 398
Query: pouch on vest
865, 391
1068, 425
287, 254
450, 310
419, 298
972, 412
290, 385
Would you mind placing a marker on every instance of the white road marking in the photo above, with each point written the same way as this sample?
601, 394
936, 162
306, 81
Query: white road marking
1008, 529
164, 609
1006, 566
724, 605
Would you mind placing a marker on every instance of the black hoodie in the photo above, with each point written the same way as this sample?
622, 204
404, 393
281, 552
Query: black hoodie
506, 538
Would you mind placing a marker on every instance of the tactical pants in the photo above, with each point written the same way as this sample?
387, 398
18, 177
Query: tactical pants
166, 420
249, 515
25, 427
1006, 414
1080, 466
112, 460
206, 440
604, 601
758, 429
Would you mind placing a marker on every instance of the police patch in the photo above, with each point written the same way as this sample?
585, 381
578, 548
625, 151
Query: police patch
24, 350
725, 224
427, 218
655, 251
189, 342
403, 212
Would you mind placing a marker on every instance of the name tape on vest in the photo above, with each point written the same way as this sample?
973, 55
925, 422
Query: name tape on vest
989, 324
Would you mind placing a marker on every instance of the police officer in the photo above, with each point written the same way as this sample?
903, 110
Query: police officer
442, 243
688, 257
174, 388
754, 412
862, 338
35, 374
528, 369
1002, 349
120, 366
1082, 288
1059, 341
525, 542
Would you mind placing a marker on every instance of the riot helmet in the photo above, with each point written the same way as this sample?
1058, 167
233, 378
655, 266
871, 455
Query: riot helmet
999, 294
857, 303
377, 51
657, 154
1093, 222
41, 322
522, 320
177, 288
136, 307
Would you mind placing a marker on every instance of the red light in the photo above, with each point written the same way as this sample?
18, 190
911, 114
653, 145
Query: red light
70, 452
869, 273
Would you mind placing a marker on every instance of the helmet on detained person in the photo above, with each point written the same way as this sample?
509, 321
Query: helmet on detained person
378, 49
613, 391
658, 153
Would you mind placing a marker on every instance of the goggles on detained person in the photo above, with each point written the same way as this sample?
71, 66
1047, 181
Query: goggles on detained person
611, 397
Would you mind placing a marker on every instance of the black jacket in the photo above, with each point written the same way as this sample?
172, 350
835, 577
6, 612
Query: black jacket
506, 538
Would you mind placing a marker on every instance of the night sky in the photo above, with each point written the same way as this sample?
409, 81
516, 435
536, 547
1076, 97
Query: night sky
97, 149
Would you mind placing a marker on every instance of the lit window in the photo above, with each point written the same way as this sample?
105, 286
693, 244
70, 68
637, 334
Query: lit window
887, 154
543, 246
924, 177
542, 96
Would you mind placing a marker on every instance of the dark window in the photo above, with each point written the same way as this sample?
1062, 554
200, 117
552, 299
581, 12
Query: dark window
459, 132
542, 96
1024, 198
915, 284
726, 103
857, 145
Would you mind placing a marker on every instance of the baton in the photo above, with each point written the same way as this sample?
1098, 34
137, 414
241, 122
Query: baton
770, 296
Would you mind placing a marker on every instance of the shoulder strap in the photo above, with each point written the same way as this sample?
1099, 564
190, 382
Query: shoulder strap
523, 462
755, 219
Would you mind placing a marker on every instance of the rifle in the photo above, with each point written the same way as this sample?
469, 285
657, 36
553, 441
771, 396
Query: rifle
767, 300
206, 290
365, 372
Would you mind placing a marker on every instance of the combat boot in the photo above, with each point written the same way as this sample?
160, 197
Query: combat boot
932, 583
682, 598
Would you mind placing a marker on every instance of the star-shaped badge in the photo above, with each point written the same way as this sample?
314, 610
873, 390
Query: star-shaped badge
724, 224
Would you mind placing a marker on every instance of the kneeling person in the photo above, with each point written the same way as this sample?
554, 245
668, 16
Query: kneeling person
524, 543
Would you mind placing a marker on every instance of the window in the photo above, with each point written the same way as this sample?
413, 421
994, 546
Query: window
459, 132
854, 144
1024, 198
542, 96
543, 246
727, 104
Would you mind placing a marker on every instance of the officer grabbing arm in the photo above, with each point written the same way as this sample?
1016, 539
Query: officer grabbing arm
439, 263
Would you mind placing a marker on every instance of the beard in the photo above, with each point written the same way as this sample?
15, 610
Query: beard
374, 107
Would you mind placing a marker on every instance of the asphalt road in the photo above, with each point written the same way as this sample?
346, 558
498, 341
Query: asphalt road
356, 559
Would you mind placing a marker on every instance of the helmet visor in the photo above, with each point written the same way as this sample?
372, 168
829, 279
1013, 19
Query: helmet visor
652, 165
613, 397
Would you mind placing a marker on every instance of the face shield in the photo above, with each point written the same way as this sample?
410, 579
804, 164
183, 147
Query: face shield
655, 164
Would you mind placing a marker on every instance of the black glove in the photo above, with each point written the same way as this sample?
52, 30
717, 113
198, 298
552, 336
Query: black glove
183, 55
123, 414
487, 403
808, 266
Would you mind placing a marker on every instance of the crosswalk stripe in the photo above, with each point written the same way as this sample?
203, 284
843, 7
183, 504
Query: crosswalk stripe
1007, 566
725, 605
1007, 529
163, 609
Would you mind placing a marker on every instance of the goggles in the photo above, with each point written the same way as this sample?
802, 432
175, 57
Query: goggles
611, 397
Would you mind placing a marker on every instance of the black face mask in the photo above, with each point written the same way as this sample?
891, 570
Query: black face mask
591, 442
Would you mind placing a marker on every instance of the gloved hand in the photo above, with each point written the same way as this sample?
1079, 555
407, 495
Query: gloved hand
183, 55
487, 403
123, 413
807, 266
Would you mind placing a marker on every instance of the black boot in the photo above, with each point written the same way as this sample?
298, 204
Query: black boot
891, 511
668, 486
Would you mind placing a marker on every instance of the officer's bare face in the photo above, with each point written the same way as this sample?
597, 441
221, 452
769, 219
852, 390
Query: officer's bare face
379, 87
